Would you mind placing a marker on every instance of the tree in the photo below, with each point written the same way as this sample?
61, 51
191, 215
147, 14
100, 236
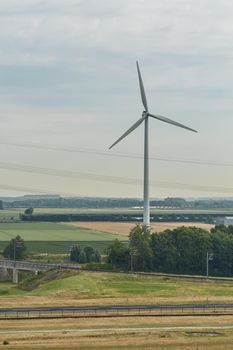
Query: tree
118, 254
97, 256
16, 249
219, 228
28, 211
164, 251
230, 229
92, 255
86, 255
182, 250
223, 228
140, 247
82, 257
75, 252
222, 244
192, 245
89, 251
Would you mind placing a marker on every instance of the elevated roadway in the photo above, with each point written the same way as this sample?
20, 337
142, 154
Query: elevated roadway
17, 265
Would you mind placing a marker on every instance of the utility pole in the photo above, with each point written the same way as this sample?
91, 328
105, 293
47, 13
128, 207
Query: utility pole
131, 261
132, 254
208, 258
14, 247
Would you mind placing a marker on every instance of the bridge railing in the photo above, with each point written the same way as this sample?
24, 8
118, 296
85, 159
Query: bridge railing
34, 266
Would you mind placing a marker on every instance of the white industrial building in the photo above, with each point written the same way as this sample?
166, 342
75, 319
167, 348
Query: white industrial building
227, 220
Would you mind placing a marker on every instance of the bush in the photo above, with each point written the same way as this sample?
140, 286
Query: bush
86, 255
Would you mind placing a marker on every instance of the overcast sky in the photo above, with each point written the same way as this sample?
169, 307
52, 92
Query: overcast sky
68, 79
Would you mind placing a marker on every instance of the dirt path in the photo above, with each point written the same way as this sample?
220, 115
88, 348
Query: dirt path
117, 329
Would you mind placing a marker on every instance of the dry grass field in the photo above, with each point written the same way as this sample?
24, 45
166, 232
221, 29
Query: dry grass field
123, 228
119, 333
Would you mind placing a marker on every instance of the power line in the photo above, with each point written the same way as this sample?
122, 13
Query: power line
118, 155
69, 174
109, 179
33, 190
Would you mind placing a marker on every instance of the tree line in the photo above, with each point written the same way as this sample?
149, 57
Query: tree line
182, 251
85, 202
87, 254
116, 217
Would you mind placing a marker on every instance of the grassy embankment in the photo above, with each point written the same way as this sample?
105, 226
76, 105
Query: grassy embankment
83, 288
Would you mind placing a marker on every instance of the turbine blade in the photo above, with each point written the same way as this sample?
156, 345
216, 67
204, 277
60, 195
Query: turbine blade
170, 121
132, 128
142, 90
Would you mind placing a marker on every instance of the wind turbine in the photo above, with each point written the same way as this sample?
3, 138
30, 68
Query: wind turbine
145, 118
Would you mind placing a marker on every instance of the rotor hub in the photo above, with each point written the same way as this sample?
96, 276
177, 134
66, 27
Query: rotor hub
144, 114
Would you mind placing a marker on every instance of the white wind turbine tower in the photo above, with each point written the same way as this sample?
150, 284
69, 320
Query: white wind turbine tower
145, 118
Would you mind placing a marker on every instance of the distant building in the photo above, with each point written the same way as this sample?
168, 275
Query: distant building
227, 220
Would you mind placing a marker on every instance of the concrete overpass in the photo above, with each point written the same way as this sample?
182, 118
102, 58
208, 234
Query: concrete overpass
17, 265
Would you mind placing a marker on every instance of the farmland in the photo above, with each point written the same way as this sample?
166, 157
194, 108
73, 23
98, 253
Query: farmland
46, 237
14, 212
53, 237
51, 232
123, 228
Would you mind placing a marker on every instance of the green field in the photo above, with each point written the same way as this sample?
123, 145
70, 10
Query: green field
48, 231
11, 214
14, 213
46, 237
58, 247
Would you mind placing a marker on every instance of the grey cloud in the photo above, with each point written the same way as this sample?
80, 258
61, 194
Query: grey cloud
67, 74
